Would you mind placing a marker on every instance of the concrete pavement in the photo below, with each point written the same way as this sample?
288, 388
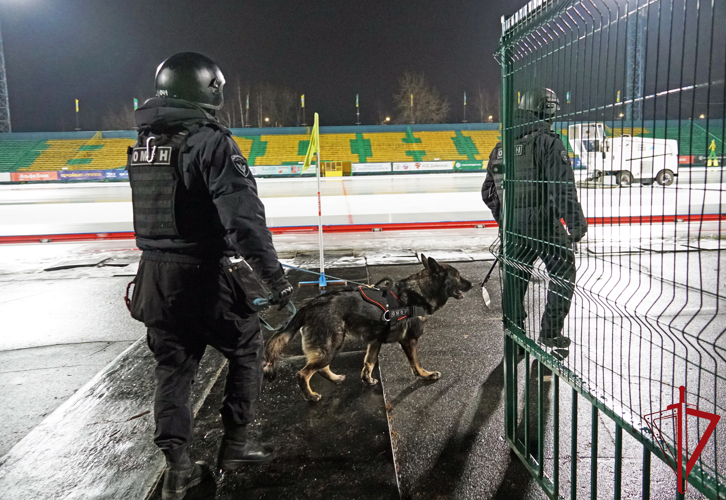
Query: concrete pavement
414, 439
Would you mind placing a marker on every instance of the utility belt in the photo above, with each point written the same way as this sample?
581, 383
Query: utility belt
249, 287
179, 258
255, 293
393, 312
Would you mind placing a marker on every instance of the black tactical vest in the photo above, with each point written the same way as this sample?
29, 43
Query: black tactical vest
526, 182
163, 206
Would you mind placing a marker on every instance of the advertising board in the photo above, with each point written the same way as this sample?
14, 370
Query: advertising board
274, 170
33, 176
366, 168
422, 166
116, 175
82, 175
469, 165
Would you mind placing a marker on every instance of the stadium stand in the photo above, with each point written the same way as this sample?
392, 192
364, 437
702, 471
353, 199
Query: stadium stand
371, 147
18, 154
94, 154
693, 139
277, 146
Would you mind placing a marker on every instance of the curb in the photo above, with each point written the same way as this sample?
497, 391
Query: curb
99, 443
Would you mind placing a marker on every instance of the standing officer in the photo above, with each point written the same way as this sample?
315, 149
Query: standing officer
195, 201
543, 190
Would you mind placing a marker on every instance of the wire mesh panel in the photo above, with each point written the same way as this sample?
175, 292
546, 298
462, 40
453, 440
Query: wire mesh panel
608, 187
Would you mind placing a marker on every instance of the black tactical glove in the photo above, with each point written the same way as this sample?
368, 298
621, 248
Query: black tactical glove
577, 233
281, 290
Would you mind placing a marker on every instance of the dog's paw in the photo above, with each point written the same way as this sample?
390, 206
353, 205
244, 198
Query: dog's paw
338, 379
370, 381
431, 376
313, 396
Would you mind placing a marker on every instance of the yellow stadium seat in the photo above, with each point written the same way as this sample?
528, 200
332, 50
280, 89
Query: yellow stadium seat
98, 153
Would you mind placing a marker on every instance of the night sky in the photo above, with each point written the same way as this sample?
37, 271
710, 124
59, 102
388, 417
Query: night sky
106, 52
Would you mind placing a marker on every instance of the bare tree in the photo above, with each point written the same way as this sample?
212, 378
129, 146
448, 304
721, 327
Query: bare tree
232, 114
274, 105
118, 118
241, 107
286, 112
485, 105
384, 117
417, 101
259, 109
224, 116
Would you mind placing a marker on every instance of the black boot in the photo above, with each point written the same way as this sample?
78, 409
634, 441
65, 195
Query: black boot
180, 475
236, 450
556, 341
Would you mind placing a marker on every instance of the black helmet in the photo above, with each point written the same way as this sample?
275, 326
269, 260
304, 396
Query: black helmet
542, 102
192, 77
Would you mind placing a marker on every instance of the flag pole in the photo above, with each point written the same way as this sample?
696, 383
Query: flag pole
323, 283
314, 149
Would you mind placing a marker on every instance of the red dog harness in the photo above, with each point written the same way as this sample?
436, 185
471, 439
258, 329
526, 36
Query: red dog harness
393, 312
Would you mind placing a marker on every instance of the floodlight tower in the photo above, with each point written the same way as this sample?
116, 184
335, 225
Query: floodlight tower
4, 103
635, 63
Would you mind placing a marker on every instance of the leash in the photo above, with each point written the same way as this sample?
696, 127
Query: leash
264, 304
326, 275
486, 278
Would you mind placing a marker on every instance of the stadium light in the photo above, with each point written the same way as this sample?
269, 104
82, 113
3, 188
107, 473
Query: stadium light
5, 125
702, 117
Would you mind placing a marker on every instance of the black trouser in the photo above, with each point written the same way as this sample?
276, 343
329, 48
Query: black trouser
521, 252
186, 305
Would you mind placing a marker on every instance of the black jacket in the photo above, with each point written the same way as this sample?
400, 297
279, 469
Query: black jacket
552, 164
213, 170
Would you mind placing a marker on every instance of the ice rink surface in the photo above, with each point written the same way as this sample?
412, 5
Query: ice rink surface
106, 207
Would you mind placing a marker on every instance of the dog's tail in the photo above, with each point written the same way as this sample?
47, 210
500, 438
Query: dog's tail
278, 342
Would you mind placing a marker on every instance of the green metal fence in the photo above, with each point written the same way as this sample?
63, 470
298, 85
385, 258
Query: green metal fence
642, 105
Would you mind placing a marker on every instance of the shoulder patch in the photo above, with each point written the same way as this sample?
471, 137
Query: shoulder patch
565, 158
241, 165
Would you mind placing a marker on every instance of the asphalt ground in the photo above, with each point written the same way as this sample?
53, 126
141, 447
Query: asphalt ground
435, 440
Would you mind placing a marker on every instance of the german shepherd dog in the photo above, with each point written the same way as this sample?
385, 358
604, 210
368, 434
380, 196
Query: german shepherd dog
327, 319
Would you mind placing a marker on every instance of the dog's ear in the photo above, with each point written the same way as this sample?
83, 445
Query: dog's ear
424, 261
433, 265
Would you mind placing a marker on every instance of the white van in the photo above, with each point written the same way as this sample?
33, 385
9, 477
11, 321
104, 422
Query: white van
629, 159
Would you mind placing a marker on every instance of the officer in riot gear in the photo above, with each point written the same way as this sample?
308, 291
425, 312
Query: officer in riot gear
195, 203
543, 194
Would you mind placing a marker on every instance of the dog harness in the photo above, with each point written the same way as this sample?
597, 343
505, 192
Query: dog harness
394, 312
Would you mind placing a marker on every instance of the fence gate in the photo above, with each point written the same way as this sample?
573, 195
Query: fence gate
641, 117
